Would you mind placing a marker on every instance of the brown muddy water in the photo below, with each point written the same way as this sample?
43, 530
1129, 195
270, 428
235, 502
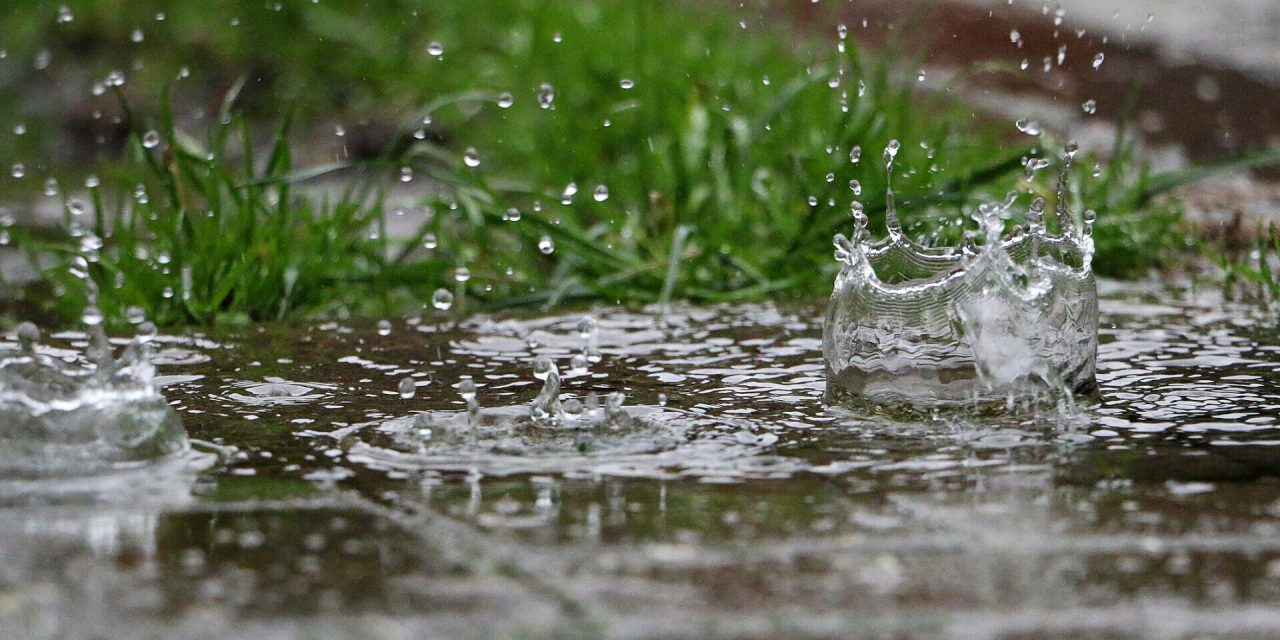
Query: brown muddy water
740, 506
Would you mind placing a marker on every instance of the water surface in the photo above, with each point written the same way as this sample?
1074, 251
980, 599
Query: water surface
1152, 512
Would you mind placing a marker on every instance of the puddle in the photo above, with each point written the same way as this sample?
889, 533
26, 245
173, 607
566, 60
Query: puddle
735, 506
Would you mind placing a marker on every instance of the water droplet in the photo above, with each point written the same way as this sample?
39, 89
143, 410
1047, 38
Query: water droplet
546, 95
135, 315
506, 100
137, 36
92, 316
65, 15
406, 174
28, 336
429, 241
511, 215
1090, 106
442, 299
601, 193
435, 49
891, 152
151, 139
51, 187
627, 83
92, 182
578, 364
471, 158
462, 274
855, 154
146, 332
384, 327
467, 389
1029, 127
546, 245
570, 190
407, 388
1097, 59
19, 129
19, 170
542, 367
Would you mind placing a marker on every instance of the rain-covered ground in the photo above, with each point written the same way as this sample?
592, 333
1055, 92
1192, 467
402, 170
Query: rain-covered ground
740, 507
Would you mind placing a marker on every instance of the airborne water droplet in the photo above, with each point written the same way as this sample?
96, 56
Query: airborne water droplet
442, 299
92, 316
471, 158
1029, 127
407, 388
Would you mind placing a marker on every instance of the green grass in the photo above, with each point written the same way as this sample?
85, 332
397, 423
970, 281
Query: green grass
711, 158
1253, 273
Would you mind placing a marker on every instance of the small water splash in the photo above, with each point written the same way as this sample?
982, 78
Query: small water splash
558, 433
1004, 317
63, 419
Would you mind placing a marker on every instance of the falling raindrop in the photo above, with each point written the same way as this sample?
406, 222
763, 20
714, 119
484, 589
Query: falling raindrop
546, 95
407, 388
1029, 127
442, 299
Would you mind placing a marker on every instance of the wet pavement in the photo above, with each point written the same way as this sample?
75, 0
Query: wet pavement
1152, 512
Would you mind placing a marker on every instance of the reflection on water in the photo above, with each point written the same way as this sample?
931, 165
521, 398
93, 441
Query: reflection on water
1151, 512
